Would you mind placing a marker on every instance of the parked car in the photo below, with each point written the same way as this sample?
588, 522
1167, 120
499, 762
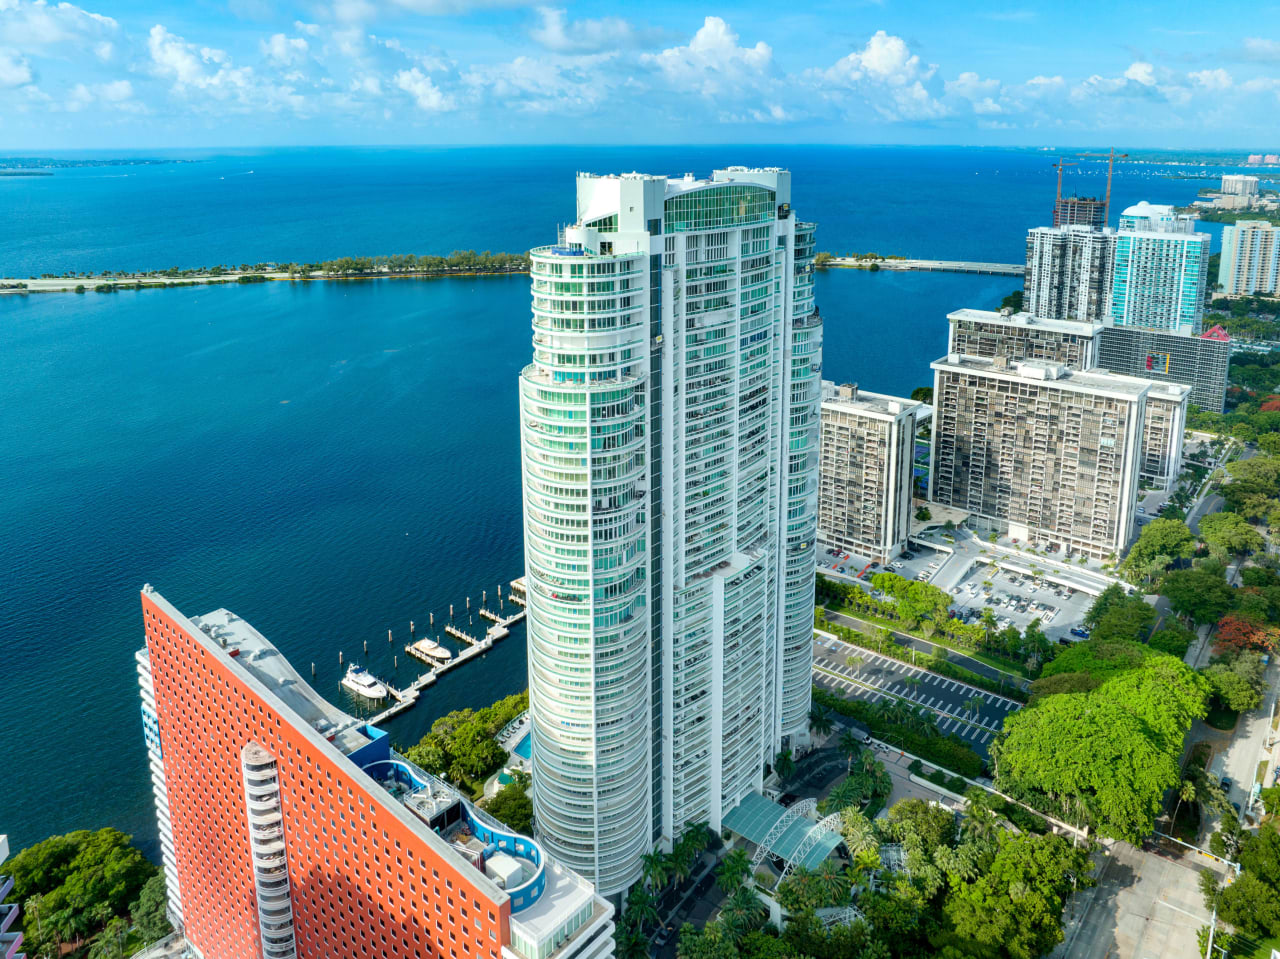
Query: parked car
1080, 633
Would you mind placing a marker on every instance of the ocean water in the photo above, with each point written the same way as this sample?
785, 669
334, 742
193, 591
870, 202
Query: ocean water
333, 460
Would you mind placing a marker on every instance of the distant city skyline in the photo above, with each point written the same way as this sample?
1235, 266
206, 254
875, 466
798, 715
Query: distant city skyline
136, 73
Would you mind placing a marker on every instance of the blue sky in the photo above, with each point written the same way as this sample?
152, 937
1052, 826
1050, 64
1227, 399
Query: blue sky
207, 73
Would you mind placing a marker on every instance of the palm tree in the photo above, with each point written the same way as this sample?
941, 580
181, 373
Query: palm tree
1186, 793
682, 857
858, 832
830, 878
630, 944
745, 908
819, 720
850, 745
974, 703
784, 765
855, 663
733, 870
869, 763
641, 909
980, 814
656, 869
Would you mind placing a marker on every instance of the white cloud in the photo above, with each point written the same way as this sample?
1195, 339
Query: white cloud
1259, 48
885, 59
713, 62
285, 51
971, 86
14, 69
1142, 73
1218, 79
557, 33
886, 77
548, 86
36, 24
115, 95
425, 93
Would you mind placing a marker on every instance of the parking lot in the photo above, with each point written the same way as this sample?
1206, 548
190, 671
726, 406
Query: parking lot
1017, 599
970, 713
1014, 595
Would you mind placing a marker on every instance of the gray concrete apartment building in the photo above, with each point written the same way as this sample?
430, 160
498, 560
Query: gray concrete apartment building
865, 471
1046, 454
1021, 336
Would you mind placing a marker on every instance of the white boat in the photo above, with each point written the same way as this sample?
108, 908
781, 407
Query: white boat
361, 682
428, 648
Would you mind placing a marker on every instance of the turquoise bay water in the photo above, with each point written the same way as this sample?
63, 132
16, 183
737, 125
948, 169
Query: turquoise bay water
331, 460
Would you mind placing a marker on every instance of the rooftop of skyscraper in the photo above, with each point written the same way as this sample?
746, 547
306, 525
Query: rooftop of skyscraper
1097, 382
1028, 320
850, 396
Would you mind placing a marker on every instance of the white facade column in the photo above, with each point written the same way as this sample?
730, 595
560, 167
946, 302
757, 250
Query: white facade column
267, 851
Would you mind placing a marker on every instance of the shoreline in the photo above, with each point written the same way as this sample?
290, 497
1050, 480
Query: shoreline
13, 285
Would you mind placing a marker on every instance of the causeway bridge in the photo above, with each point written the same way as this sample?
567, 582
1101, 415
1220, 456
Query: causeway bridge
933, 266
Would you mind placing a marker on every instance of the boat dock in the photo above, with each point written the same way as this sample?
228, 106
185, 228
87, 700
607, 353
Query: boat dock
407, 697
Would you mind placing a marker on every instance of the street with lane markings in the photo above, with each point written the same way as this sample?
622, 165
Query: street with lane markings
973, 714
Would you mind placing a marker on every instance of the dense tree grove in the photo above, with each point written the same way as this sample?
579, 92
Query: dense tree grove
968, 888
461, 744
1101, 745
512, 805
87, 888
1250, 904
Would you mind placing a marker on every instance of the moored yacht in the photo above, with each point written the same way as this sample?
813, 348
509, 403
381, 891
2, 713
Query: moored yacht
361, 682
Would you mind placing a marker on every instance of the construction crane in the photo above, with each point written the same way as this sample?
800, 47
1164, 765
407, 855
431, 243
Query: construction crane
1112, 157
1059, 165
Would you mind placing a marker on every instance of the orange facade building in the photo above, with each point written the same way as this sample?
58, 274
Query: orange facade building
290, 829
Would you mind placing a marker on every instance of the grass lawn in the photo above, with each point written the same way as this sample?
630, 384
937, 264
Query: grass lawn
1263, 949
1220, 717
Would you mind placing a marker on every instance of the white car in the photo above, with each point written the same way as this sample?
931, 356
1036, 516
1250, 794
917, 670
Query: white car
897, 564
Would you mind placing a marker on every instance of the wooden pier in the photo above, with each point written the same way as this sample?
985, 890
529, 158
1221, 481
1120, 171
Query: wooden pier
501, 629
456, 633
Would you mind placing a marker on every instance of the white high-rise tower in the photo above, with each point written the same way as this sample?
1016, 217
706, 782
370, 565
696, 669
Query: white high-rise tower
669, 437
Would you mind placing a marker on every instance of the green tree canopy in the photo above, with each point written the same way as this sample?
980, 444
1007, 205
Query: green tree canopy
1016, 905
511, 805
1160, 542
1089, 759
1172, 638
1230, 533
1198, 593
1102, 658
83, 879
1238, 679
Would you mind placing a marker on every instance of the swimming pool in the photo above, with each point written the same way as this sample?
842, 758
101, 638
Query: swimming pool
523, 748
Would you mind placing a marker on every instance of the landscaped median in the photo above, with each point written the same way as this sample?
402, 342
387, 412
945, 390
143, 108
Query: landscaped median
946, 751
934, 664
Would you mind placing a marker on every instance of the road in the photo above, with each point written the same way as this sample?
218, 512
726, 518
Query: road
1145, 906
973, 714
